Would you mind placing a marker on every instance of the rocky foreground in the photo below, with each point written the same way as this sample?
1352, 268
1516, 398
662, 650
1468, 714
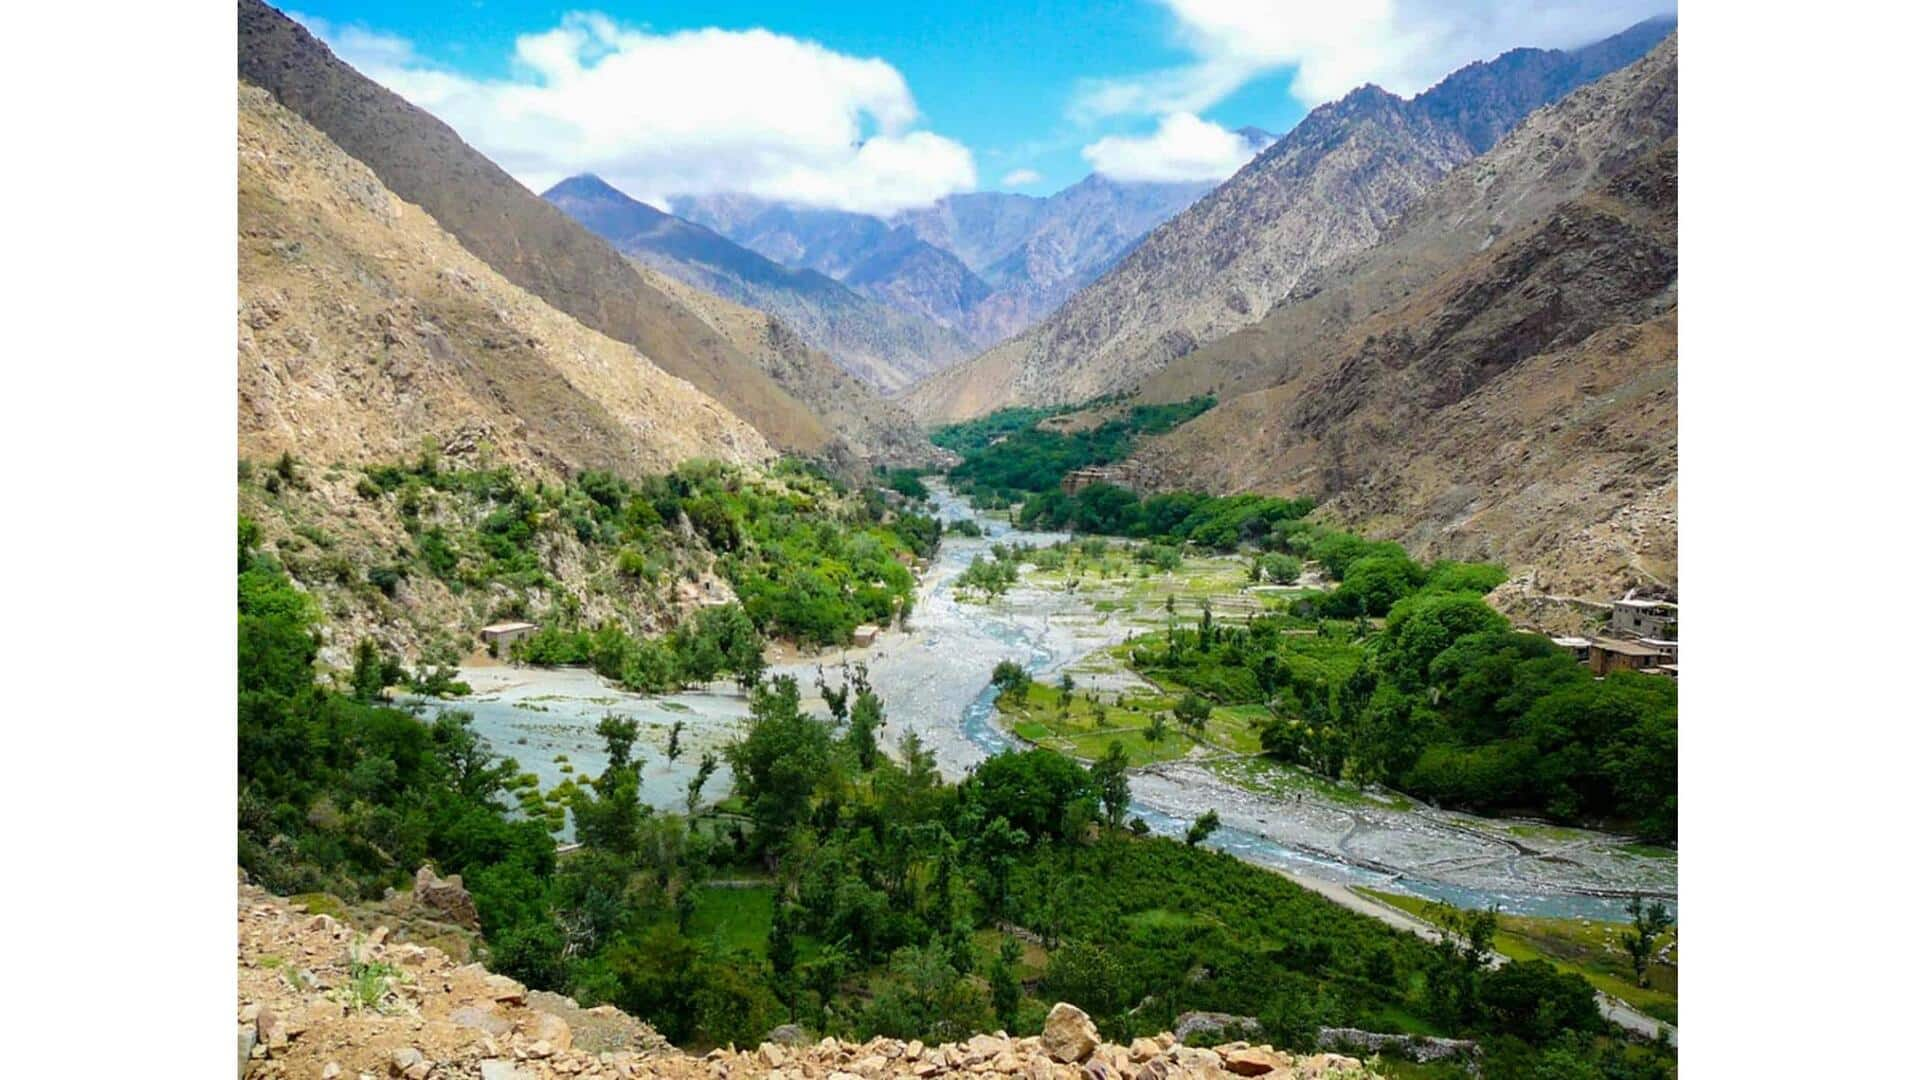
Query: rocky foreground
320, 999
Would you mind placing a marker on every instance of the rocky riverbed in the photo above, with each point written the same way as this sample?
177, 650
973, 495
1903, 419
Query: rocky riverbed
934, 678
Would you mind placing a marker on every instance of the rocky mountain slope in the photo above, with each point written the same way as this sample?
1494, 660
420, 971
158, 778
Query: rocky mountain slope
1330, 187
879, 430
530, 243
365, 330
318, 997
1498, 378
984, 263
886, 347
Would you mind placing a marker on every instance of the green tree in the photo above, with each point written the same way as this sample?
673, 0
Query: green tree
1641, 939
708, 764
1110, 780
1193, 712
863, 726
619, 733
1202, 828
1003, 981
783, 755
673, 740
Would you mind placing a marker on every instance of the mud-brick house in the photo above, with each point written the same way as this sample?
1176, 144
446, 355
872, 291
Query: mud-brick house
1645, 619
1608, 655
499, 637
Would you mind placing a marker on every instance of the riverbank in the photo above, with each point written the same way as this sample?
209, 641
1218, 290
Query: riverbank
934, 677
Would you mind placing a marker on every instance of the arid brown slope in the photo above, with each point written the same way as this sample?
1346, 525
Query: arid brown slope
873, 429
365, 329
1330, 187
1521, 407
532, 244
1558, 153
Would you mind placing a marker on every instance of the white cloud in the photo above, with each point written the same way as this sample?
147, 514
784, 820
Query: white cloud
1020, 178
1403, 45
1183, 147
692, 112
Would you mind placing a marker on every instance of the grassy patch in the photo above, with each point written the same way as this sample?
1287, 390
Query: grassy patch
1089, 722
1586, 948
736, 918
319, 903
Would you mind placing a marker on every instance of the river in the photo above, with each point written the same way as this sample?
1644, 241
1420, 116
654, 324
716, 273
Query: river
935, 680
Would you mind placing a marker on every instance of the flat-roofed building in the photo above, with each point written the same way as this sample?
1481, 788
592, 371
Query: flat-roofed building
1608, 655
500, 636
1579, 648
1645, 619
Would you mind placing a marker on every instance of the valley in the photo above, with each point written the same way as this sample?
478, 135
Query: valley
936, 681
1231, 596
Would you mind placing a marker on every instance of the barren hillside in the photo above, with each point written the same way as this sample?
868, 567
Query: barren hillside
1330, 187
1519, 404
366, 330
530, 242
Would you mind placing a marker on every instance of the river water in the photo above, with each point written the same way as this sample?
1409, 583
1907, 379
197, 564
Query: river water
934, 679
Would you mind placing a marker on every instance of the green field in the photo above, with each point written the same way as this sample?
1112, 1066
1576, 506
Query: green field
1588, 949
1081, 730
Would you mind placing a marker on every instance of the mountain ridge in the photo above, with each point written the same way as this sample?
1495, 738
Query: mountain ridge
529, 242
887, 347
1498, 378
1331, 186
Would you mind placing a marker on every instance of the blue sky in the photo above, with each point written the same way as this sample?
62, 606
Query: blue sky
876, 106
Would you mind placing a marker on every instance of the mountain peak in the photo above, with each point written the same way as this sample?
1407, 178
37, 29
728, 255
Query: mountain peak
585, 184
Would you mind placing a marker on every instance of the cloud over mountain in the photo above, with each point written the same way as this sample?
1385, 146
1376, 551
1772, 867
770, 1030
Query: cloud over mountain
693, 111
1402, 45
1183, 147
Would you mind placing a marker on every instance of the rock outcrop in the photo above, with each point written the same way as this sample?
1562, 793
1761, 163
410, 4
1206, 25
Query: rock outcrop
318, 998
447, 896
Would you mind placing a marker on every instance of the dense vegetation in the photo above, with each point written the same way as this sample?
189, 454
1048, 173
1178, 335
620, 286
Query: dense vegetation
1442, 699
883, 881
1007, 456
1219, 523
808, 560
1398, 673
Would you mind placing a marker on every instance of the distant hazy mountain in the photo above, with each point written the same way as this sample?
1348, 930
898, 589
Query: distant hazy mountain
883, 344
1331, 186
985, 264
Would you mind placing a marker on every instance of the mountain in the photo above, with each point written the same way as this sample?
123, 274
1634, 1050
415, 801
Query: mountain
529, 242
1066, 240
885, 346
893, 265
1333, 185
1497, 378
364, 328
841, 403
987, 264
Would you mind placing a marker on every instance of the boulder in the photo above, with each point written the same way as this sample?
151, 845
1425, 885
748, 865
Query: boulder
1069, 1035
446, 896
548, 1028
1255, 1061
481, 1018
